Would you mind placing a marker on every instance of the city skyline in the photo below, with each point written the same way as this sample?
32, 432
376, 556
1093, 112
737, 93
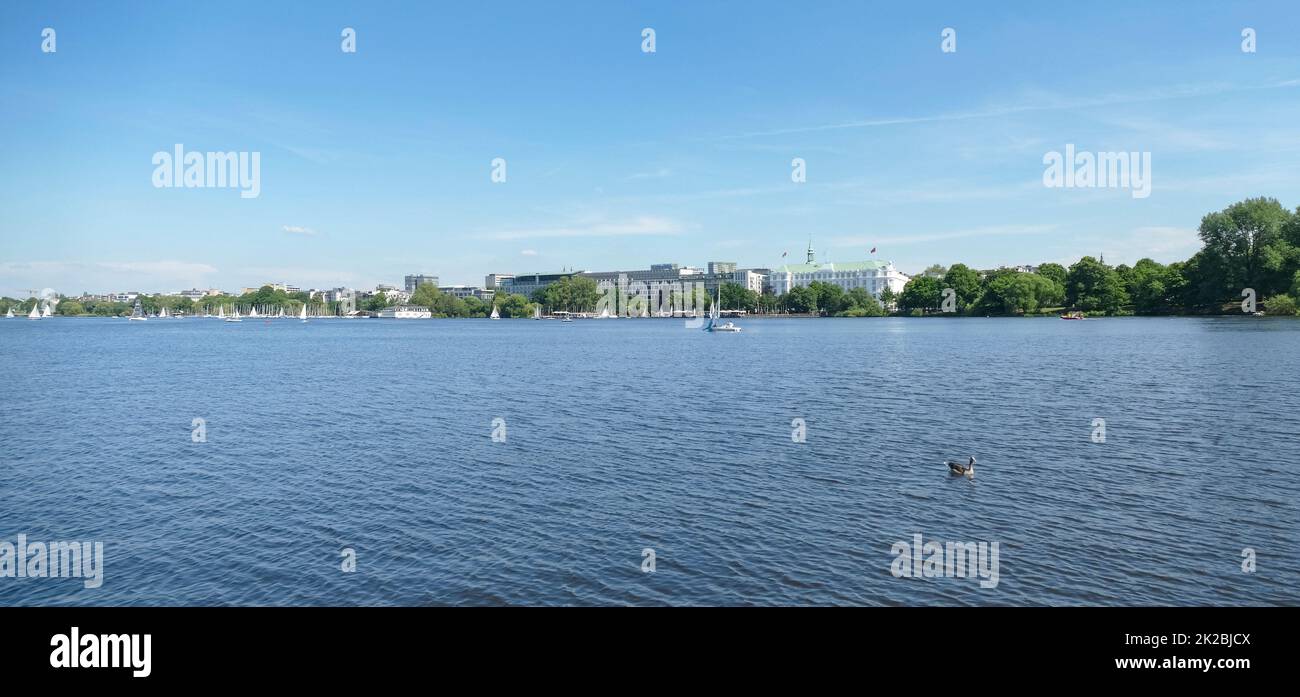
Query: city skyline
379, 163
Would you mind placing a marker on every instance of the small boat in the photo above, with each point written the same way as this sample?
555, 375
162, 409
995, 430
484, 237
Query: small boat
966, 469
35, 313
495, 314
713, 326
162, 314
137, 315
252, 314
567, 318
1073, 315
537, 311
234, 316
9, 314
302, 314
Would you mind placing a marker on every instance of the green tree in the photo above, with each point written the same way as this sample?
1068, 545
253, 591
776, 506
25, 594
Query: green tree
965, 283
923, 293
426, 294
1245, 247
800, 299
515, 306
1056, 272
1280, 305
1093, 286
859, 303
70, 308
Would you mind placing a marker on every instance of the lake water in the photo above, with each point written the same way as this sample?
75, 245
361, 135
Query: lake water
376, 436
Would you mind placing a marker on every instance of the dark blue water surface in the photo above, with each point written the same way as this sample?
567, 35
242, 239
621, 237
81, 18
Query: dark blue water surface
375, 435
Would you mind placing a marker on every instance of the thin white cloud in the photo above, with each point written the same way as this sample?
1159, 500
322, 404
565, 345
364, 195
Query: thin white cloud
986, 231
1038, 102
529, 252
298, 230
641, 226
655, 174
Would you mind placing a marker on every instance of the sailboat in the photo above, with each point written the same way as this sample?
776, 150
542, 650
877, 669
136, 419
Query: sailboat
713, 325
537, 311
162, 313
35, 313
45, 311
302, 313
9, 314
137, 315
221, 311
495, 314
252, 314
234, 315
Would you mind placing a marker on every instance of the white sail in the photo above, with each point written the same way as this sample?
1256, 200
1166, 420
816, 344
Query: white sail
35, 313
9, 314
495, 314
163, 313
221, 311
537, 311
302, 313
251, 313
45, 311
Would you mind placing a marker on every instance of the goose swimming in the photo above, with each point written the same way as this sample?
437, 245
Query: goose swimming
967, 468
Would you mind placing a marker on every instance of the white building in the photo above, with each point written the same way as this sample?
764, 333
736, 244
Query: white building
406, 312
872, 276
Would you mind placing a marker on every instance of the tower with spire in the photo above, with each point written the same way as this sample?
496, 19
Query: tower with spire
811, 256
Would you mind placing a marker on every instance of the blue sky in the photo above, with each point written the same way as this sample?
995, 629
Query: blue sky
377, 164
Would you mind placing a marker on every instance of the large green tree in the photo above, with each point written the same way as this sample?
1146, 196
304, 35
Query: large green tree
965, 283
923, 293
1095, 287
1247, 245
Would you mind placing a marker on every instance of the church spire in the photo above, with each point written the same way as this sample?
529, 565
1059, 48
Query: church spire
811, 257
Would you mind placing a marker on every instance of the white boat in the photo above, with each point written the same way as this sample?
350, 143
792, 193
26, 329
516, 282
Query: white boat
604, 314
35, 313
537, 311
234, 316
302, 314
137, 315
162, 313
567, 319
45, 311
252, 314
495, 314
713, 326
9, 314
221, 312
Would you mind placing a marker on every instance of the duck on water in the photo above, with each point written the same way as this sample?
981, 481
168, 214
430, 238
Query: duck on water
962, 468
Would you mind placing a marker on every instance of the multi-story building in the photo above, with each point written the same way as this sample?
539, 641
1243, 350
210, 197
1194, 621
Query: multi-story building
526, 284
873, 276
463, 292
663, 280
414, 281
722, 267
493, 281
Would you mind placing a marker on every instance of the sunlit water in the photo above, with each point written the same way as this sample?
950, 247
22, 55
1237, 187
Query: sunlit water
376, 435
